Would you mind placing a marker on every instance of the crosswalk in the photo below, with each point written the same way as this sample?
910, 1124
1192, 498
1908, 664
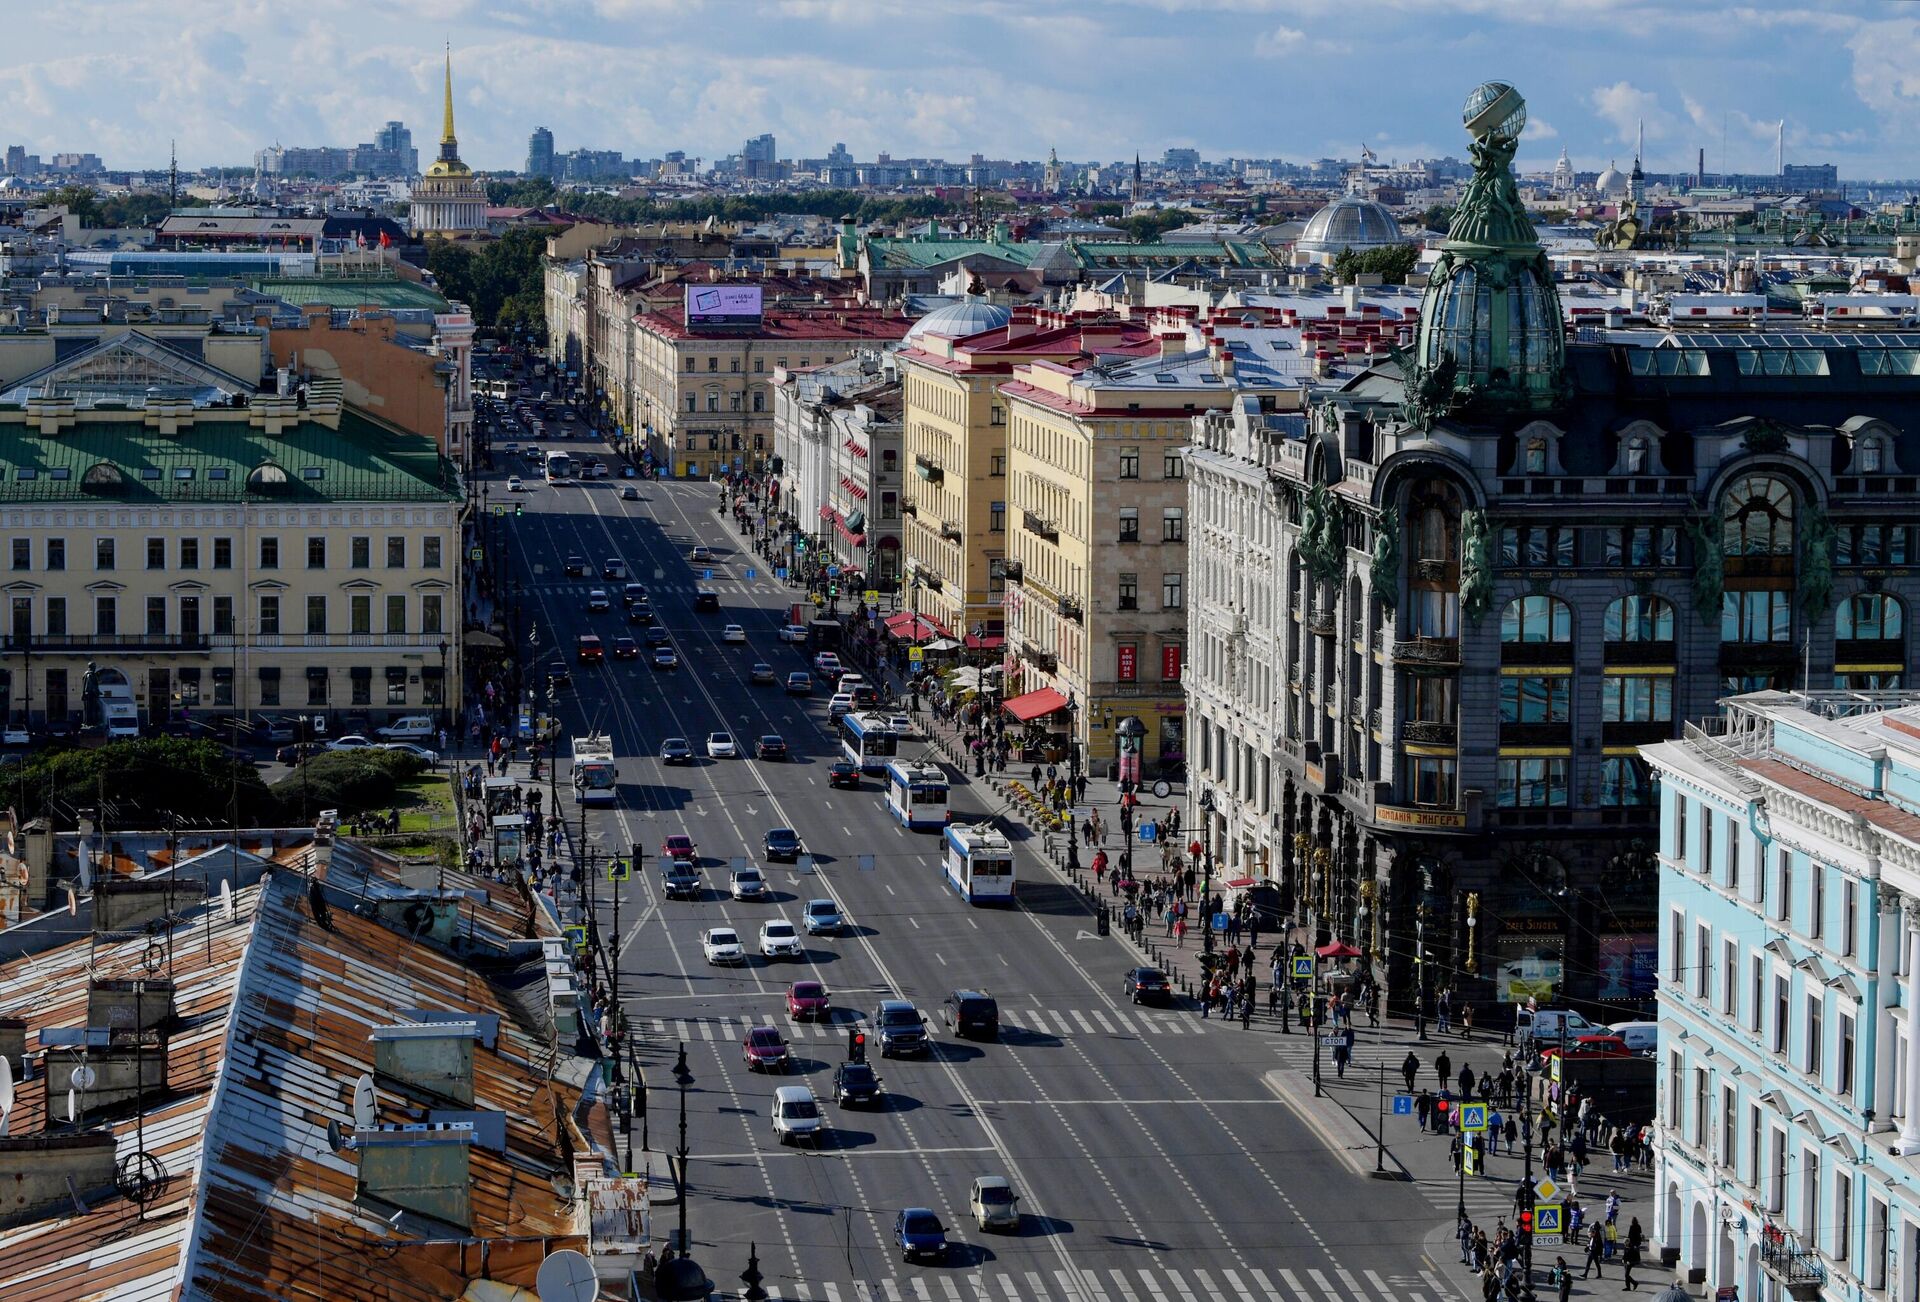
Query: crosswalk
763, 583
1277, 1284
1015, 1024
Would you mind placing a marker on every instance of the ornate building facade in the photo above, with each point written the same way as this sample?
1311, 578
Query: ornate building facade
449, 200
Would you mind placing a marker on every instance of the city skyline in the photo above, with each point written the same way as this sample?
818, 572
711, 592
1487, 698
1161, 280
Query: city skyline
1292, 79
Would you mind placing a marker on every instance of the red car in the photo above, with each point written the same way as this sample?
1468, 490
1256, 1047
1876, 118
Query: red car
764, 1050
591, 650
679, 846
808, 999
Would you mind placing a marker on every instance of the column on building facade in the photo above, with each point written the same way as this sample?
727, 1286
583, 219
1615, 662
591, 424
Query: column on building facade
1910, 1000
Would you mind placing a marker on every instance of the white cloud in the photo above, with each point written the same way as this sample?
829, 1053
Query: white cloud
1538, 128
1279, 42
1624, 107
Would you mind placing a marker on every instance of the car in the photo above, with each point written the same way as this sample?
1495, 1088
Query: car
782, 843
700, 553
614, 568
1601, 1045
840, 703
865, 696
900, 725
821, 918
794, 633
675, 750
628, 493
514, 484
844, 773
848, 682
919, 1235
596, 470
558, 675
598, 601
747, 884
419, 752
770, 747
799, 684
900, 1027
764, 1050
641, 613
414, 727
778, 939
761, 673
591, 650
352, 741
796, 1114
827, 665
706, 599
722, 945
971, 1014
576, 567
666, 658
1146, 985
733, 633
855, 1082
297, 753
681, 880
634, 594
1641, 1037
993, 1203
679, 846
656, 636
625, 648
809, 1000
720, 746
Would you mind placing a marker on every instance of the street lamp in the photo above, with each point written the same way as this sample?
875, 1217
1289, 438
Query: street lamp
446, 708
1206, 873
678, 1277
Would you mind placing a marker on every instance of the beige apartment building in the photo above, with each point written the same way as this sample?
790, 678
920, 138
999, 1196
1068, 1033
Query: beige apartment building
1096, 598
956, 499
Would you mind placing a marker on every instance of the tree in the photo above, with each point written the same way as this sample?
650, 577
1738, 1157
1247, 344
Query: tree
351, 781
1148, 227
80, 200
1391, 263
1438, 217
191, 780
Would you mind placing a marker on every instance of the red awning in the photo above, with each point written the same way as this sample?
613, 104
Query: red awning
848, 484
1339, 949
895, 623
826, 513
913, 628
857, 539
990, 642
1034, 705
855, 448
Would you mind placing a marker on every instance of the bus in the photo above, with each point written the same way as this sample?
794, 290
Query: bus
559, 467
917, 795
593, 771
979, 864
868, 740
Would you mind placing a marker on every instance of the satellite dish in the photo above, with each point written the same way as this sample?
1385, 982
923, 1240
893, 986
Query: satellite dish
73, 903
567, 1276
73, 1108
365, 1112
84, 1077
6, 1093
334, 1137
226, 899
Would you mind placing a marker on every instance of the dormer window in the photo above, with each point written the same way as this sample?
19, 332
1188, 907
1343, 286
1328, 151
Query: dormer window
1872, 455
1535, 461
1637, 455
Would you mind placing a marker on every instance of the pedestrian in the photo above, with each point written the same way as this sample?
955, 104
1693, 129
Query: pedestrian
1493, 1131
1180, 931
1613, 1206
1443, 1068
1466, 1022
1594, 1241
1628, 1260
1409, 1066
1423, 1108
1466, 1083
1562, 1278
1511, 1133
1463, 1232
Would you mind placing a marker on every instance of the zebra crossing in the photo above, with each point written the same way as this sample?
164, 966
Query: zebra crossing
763, 583
1015, 1024
1140, 1284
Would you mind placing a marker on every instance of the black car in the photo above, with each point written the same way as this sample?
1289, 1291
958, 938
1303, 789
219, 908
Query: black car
771, 747
971, 1014
706, 599
681, 880
625, 648
576, 567
1146, 985
782, 843
675, 750
656, 636
900, 1028
559, 675
633, 594
640, 613
855, 1082
844, 773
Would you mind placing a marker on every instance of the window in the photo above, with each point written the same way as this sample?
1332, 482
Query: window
1537, 546
1639, 619
361, 692
1730, 982
1173, 524
1129, 524
1783, 904
713, 400
269, 688
1849, 917
396, 613
1756, 992
396, 551
1757, 518
759, 400
1868, 615
1675, 1095
1680, 844
56, 553
1676, 949
360, 553
1432, 697
223, 616
1429, 780
1129, 463
1729, 1134
432, 619
57, 616
269, 553
1763, 616
1536, 618
713, 363
1733, 856
360, 613
189, 553
1172, 595
997, 464
1173, 465
690, 363
1816, 901
1702, 962
23, 553
1782, 1013
1546, 698
189, 617
156, 553
1636, 698
317, 552
1626, 782
733, 364
889, 506
1533, 460
430, 553
996, 517
1533, 782
693, 402
316, 688
733, 402
397, 681
759, 366
316, 614
1643, 546
1815, 1040
106, 616
1879, 1242
270, 614
102, 554
996, 415
1707, 819
1843, 1055
1129, 592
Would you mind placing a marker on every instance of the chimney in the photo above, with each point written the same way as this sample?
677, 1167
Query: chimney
128, 904
121, 1004
421, 1168
1172, 344
427, 1057
1226, 363
38, 836
45, 1174
118, 1069
13, 1044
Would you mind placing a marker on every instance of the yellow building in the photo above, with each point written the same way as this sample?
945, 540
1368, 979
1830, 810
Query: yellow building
449, 200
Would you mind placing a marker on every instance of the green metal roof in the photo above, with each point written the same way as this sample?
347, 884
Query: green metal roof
929, 253
362, 461
335, 291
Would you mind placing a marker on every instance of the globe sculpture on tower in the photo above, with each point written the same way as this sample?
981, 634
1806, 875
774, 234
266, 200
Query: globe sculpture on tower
1495, 112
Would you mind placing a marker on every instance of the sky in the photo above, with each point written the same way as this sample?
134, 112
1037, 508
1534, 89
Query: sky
1099, 80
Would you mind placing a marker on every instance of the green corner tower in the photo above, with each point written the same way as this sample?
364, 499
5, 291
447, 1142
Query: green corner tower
1491, 339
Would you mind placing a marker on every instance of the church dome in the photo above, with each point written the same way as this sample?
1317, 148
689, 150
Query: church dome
1612, 181
969, 316
1350, 222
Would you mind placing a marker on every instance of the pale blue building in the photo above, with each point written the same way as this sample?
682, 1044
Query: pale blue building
1789, 1117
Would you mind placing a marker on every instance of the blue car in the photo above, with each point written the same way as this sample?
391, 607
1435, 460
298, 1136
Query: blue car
920, 1235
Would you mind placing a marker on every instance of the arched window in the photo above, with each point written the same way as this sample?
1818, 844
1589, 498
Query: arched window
1637, 455
1870, 615
1534, 461
1536, 618
1757, 518
267, 477
1639, 619
102, 477
1436, 515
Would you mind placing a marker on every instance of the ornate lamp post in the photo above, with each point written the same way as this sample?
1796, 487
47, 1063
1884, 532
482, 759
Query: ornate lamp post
678, 1277
1206, 873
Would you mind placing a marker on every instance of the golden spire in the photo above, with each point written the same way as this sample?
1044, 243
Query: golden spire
446, 129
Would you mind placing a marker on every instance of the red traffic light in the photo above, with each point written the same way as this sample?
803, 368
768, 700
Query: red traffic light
856, 1046
1526, 1221
1440, 1106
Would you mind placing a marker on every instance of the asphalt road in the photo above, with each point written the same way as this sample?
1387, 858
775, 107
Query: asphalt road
1151, 1162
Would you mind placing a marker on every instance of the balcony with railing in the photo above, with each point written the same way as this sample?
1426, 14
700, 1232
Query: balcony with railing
1426, 732
951, 532
80, 643
909, 507
928, 469
1044, 528
1015, 571
1321, 623
1070, 609
1795, 1268
1428, 650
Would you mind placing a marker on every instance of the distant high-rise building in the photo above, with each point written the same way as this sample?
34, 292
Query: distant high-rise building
396, 142
1181, 160
540, 152
759, 161
16, 160
1809, 176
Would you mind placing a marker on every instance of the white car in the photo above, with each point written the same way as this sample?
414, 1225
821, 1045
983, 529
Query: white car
720, 746
900, 724
733, 633
14, 735
722, 945
748, 884
827, 665
794, 633
842, 703
778, 939
352, 741
419, 752
514, 485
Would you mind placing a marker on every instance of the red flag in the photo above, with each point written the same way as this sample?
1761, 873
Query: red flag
386, 240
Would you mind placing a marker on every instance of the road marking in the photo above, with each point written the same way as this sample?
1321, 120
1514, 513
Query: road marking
1096, 1291
1066, 1284
1006, 1283
1181, 1285
920, 1290
1126, 1290
1266, 1285
1346, 1277
1038, 1285
953, 1290
1100, 1017
1233, 1282
942, 957
915, 921
890, 889
1325, 1287
1085, 1025
832, 1291
1207, 1289
1153, 1286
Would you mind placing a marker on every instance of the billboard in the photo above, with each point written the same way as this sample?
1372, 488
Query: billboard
722, 304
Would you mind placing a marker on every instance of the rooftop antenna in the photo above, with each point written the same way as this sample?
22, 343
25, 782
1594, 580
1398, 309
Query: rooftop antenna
173, 176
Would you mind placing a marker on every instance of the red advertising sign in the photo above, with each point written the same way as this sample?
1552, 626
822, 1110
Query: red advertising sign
1170, 664
1129, 662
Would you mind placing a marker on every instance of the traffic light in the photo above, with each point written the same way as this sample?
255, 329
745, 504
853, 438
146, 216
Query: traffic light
518, 507
1526, 1222
856, 1045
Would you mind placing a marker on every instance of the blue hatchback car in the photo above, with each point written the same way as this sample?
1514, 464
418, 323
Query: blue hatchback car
920, 1235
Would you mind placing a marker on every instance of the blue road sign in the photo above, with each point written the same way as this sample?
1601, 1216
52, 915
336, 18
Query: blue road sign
833, 571
1403, 1105
781, 574
706, 574
751, 574
1149, 832
1220, 921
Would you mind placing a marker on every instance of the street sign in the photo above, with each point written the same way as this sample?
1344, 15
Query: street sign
1473, 1116
706, 574
1549, 1218
1545, 1190
619, 870
751, 575
1403, 1105
781, 574
833, 571
477, 554
1149, 832
1220, 921
1469, 1158
576, 936
916, 654
871, 596
1555, 1069
500, 510
1332, 1041
1303, 969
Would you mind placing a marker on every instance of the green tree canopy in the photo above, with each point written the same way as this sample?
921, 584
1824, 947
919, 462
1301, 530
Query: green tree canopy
1148, 227
1392, 263
351, 781
192, 780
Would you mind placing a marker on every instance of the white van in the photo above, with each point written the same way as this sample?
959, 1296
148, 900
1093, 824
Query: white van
796, 1114
414, 727
1546, 1027
1641, 1037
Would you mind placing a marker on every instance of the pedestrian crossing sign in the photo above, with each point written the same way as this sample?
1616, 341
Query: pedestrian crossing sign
619, 870
1303, 969
1473, 1116
1470, 1157
871, 596
1548, 1218
916, 654
576, 936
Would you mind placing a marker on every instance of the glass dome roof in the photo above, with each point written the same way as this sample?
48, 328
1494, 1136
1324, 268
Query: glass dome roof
969, 316
1350, 222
